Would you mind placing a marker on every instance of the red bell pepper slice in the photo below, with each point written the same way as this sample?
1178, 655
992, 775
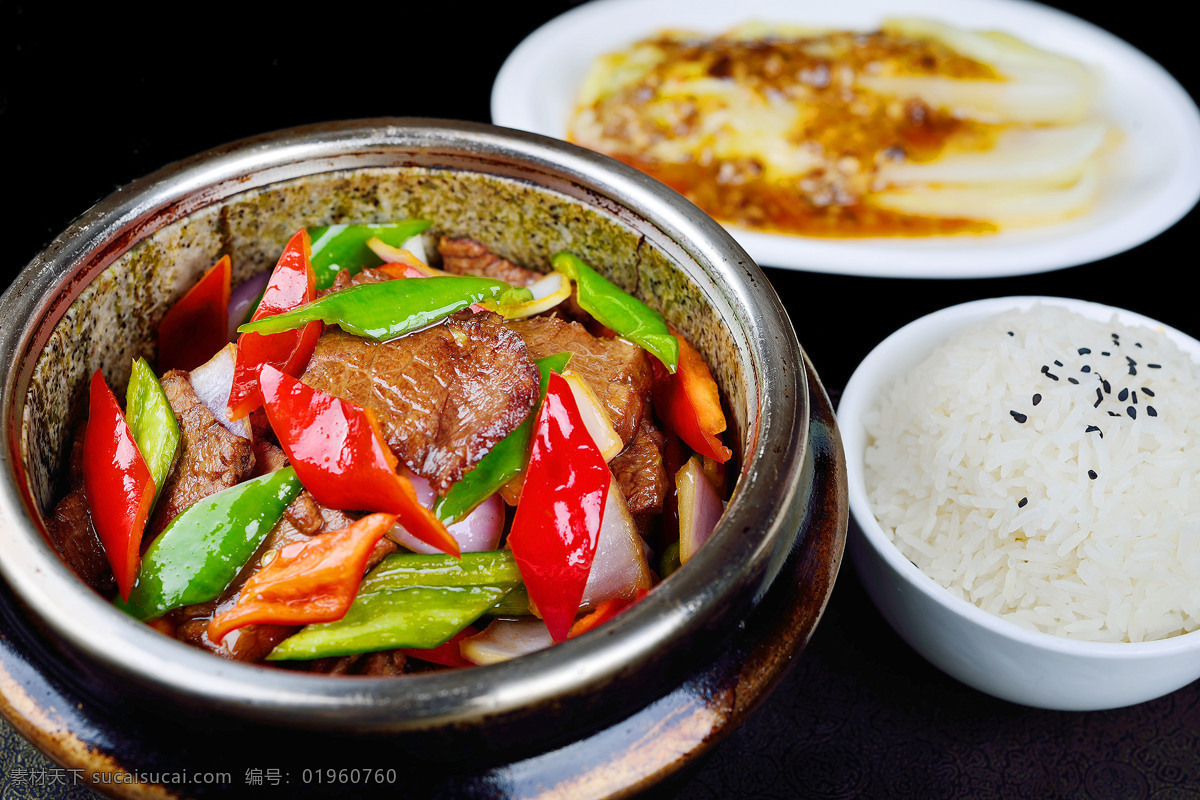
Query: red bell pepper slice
557, 521
292, 284
307, 581
120, 490
603, 612
447, 654
198, 324
689, 403
339, 454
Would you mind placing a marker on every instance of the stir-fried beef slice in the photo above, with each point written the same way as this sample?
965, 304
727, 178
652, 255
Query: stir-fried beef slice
617, 371
443, 396
71, 530
640, 472
268, 457
344, 280
469, 257
250, 643
385, 663
302, 519
210, 457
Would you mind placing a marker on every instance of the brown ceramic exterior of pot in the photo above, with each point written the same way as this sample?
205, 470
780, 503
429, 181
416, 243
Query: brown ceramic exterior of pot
92, 301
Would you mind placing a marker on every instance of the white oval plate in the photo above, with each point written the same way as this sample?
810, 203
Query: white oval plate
1154, 179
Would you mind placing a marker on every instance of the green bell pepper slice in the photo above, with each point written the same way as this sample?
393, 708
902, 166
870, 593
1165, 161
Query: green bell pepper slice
338, 247
152, 422
506, 458
618, 310
387, 309
205, 547
409, 600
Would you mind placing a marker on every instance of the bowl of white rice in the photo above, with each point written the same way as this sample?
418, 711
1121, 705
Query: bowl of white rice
1024, 480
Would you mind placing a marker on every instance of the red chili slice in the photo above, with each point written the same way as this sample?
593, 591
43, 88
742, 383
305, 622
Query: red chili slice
308, 581
292, 284
198, 324
689, 403
116, 478
339, 455
557, 522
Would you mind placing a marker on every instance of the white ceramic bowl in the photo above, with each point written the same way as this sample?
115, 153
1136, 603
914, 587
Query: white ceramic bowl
980, 649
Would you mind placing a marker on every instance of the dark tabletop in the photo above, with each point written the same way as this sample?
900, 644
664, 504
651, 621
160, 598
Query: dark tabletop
89, 103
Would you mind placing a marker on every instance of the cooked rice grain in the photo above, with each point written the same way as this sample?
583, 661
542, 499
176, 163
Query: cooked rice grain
1044, 466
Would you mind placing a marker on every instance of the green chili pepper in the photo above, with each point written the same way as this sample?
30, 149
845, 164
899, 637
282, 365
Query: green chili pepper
506, 458
386, 309
337, 247
513, 604
152, 422
205, 547
619, 310
410, 600
670, 560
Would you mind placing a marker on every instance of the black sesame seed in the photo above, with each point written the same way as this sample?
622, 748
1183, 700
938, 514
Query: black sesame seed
1151, 411
1045, 368
1010, 333
1051, 376
1137, 344
1057, 363
1148, 391
1092, 474
1133, 398
1085, 368
1093, 429
1073, 380
1024, 501
1113, 414
1018, 416
1037, 398
1131, 411
1123, 395
1105, 353
1099, 399
1154, 366
1083, 351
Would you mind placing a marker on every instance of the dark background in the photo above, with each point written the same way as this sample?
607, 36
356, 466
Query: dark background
94, 97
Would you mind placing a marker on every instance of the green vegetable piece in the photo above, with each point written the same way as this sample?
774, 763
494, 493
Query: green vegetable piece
670, 560
506, 458
152, 422
513, 296
409, 600
386, 309
513, 604
205, 547
619, 310
337, 247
